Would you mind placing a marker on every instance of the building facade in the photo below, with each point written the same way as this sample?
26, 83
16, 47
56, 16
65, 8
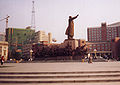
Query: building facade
41, 36
100, 38
103, 47
17, 38
4, 49
104, 33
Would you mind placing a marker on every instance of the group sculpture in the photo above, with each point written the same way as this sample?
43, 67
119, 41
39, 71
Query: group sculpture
69, 48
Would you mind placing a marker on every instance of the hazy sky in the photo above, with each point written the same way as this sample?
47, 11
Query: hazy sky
52, 15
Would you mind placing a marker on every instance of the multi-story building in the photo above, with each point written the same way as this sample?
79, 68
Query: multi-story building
17, 38
40, 36
100, 38
2, 37
104, 33
4, 49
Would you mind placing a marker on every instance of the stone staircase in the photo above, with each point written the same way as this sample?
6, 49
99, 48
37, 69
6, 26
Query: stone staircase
60, 78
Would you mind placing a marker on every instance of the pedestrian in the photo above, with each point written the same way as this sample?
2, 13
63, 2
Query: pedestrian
89, 58
83, 58
2, 60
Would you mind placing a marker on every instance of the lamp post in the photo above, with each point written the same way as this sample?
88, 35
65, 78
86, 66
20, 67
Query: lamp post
95, 51
31, 51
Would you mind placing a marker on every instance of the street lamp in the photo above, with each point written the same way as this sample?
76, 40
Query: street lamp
95, 51
31, 51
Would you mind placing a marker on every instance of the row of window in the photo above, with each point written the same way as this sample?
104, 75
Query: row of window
98, 30
100, 47
95, 39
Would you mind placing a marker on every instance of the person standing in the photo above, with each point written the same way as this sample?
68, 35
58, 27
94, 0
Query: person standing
89, 58
2, 60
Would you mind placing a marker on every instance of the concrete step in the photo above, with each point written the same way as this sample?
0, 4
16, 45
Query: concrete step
88, 74
70, 72
59, 77
102, 83
60, 80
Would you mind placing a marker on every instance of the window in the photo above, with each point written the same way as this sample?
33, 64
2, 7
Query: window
105, 44
102, 48
98, 48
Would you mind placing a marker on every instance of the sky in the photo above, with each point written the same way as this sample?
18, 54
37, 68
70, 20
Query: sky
52, 15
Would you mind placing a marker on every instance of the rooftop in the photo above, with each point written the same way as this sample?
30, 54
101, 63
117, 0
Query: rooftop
114, 24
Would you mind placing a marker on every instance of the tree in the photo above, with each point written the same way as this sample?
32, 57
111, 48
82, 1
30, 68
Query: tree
16, 55
81, 51
68, 50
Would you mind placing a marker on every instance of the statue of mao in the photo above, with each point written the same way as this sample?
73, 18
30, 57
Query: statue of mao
70, 28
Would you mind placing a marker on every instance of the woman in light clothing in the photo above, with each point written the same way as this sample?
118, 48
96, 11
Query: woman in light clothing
89, 58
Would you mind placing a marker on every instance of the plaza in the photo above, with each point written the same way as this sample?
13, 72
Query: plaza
60, 73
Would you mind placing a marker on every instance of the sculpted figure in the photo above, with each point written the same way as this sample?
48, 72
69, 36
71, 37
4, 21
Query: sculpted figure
70, 28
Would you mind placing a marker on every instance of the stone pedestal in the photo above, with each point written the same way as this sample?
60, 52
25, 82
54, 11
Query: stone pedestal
72, 42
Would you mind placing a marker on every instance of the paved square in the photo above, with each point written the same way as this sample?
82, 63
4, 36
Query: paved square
65, 73
58, 67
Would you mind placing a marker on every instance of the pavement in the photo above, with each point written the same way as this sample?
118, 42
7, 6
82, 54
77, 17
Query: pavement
60, 73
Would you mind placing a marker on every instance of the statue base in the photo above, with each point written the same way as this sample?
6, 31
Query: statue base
71, 42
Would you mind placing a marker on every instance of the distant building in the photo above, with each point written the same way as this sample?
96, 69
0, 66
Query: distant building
49, 37
40, 36
104, 33
2, 37
17, 38
100, 38
4, 49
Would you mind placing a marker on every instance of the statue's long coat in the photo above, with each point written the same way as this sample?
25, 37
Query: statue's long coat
70, 28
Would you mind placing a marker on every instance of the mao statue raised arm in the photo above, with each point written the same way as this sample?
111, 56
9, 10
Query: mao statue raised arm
70, 28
